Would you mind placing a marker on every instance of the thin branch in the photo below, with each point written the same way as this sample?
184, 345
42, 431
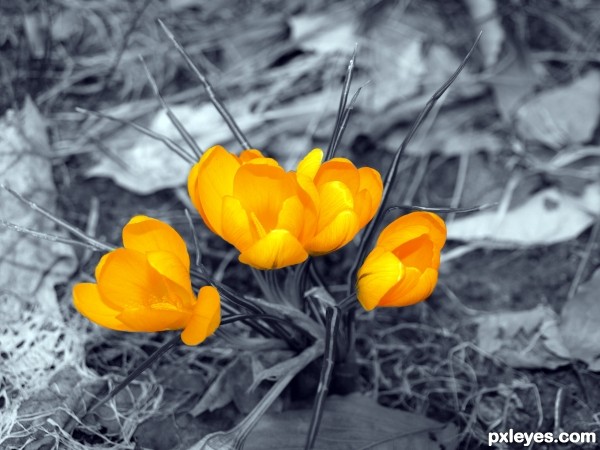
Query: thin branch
196, 150
331, 331
391, 174
71, 228
441, 210
209, 90
172, 145
45, 236
342, 105
344, 122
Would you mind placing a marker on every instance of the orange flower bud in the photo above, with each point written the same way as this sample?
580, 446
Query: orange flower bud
346, 199
255, 205
277, 218
145, 286
403, 267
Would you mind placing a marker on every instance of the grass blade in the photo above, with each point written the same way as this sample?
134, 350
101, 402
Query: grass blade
441, 210
342, 106
71, 228
391, 174
138, 371
196, 151
45, 236
173, 146
331, 331
209, 90
344, 121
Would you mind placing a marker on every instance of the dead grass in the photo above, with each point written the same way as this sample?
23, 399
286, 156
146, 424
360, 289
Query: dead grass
423, 359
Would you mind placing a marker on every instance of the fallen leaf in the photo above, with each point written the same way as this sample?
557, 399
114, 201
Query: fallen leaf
146, 165
353, 422
69, 389
389, 53
524, 339
36, 342
564, 115
514, 79
548, 217
580, 323
239, 382
540, 339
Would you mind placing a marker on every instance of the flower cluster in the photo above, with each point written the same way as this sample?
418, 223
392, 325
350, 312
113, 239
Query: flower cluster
274, 218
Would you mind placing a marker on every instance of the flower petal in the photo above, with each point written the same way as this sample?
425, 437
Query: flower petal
205, 318
127, 281
371, 186
335, 235
150, 320
89, 303
145, 235
418, 253
412, 226
378, 274
335, 197
210, 180
292, 217
100, 265
276, 250
236, 227
414, 288
363, 206
339, 169
262, 189
310, 164
249, 155
170, 266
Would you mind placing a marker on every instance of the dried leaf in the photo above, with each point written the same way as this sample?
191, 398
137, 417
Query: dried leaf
565, 115
67, 390
29, 268
353, 422
580, 323
548, 217
539, 338
239, 381
35, 339
146, 165
527, 339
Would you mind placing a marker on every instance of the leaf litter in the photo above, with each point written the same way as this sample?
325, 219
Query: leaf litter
442, 374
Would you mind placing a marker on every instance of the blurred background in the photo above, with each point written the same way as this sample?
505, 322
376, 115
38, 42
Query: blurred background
510, 337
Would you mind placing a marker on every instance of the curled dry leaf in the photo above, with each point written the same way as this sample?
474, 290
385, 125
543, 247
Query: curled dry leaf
527, 339
541, 339
564, 115
145, 165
